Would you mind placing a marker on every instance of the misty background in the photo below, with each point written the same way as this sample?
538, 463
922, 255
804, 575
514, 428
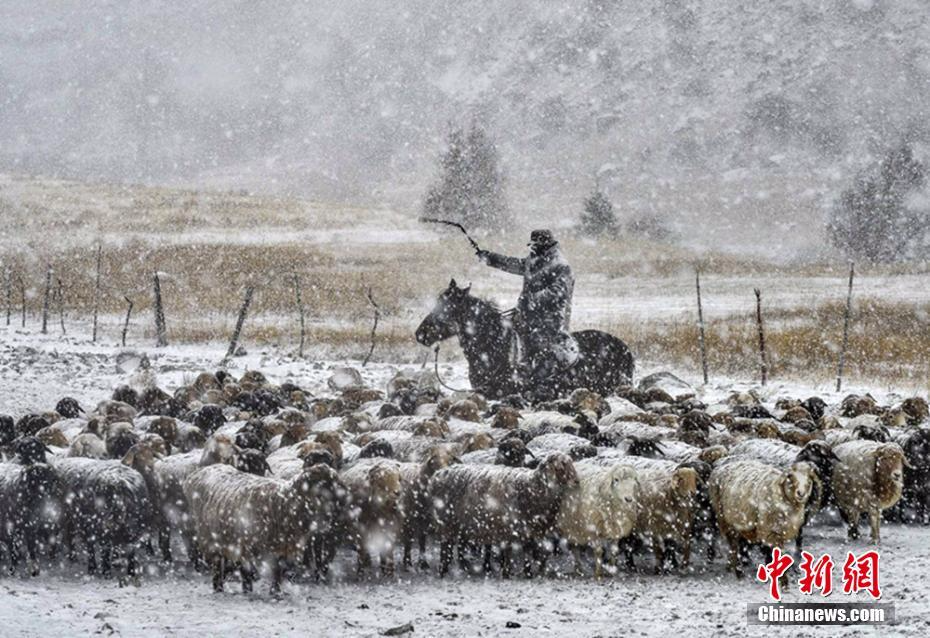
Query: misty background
731, 121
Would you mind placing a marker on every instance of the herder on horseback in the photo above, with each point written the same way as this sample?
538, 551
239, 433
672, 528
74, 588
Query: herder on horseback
544, 309
553, 361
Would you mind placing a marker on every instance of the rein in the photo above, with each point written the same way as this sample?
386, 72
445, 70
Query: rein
439, 378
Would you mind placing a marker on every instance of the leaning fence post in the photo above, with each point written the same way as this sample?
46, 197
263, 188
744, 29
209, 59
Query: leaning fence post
846, 314
97, 293
700, 309
47, 298
22, 296
243, 311
126, 323
761, 336
300, 312
374, 327
161, 332
8, 285
61, 304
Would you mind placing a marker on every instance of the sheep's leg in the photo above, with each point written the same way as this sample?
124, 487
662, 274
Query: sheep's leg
464, 548
164, 543
529, 553
105, 551
659, 550
875, 521
407, 562
852, 521
488, 566
445, 557
506, 560
422, 564
14, 556
387, 563
686, 551
576, 553
277, 572
218, 573
33, 562
364, 560
91, 557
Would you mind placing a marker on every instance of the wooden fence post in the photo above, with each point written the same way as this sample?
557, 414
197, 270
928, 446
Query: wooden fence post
243, 311
97, 292
61, 304
762, 356
842, 363
701, 339
126, 323
300, 312
161, 331
8, 289
46, 300
374, 327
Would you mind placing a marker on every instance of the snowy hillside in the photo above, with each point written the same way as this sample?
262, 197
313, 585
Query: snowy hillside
333, 96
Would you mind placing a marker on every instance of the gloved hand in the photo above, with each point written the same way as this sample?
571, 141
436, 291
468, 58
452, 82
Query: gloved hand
482, 255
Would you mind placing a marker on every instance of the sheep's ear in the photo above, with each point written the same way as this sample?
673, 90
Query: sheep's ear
453, 285
129, 458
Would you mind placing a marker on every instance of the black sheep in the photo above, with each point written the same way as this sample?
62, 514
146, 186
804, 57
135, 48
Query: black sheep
31, 505
69, 408
109, 508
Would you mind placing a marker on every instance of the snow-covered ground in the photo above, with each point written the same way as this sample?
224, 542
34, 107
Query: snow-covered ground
705, 602
35, 371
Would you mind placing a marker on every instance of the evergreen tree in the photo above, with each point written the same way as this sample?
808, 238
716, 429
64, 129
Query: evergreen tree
598, 216
871, 220
470, 189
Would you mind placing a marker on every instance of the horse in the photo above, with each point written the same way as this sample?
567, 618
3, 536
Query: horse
488, 339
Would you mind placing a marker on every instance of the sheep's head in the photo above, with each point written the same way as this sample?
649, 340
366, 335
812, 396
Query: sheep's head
797, 483
141, 457
558, 472
466, 410
318, 456
767, 430
712, 454
251, 462
506, 418
30, 450
820, 456
154, 443
166, 428
889, 473
685, 482
438, 457
52, 435
639, 446
378, 448
511, 452
872, 432
432, 428
621, 487
477, 441
386, 484
917, 449
220, 448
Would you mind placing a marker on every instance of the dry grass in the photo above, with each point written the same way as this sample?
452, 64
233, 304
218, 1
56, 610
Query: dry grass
886, 341
61, 222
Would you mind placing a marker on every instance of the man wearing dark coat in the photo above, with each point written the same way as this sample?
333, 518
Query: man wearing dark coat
545, 306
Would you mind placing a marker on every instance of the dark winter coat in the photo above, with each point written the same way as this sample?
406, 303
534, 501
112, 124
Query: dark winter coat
545, 304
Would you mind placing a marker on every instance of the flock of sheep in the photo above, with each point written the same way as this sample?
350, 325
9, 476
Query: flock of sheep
248, 473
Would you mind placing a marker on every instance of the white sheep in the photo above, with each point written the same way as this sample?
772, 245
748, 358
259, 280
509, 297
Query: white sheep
601, 509
868, 478
756, 502
243, 519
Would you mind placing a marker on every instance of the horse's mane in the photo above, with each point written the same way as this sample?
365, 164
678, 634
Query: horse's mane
485, 304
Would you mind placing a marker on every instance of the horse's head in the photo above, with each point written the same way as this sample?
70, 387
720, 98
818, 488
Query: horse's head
444, 321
